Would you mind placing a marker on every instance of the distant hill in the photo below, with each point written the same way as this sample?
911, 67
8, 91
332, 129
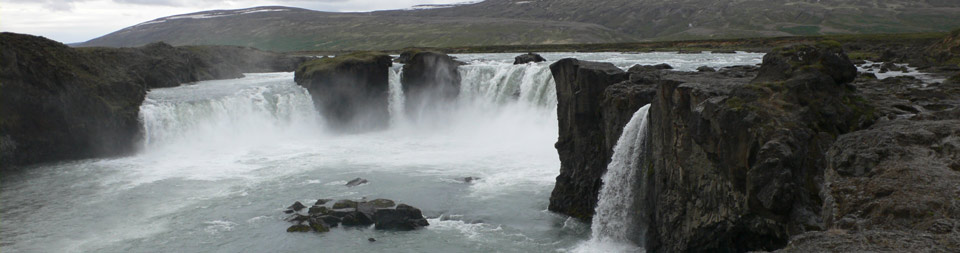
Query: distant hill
513, 22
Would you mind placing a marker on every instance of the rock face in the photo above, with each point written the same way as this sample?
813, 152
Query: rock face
740, 157
584, 142
739, 165
350, 91
56, 103
893, 186
430, 82
527, 58
60, 103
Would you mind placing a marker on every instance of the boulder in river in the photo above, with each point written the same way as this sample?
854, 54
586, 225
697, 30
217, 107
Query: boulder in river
350, 90
706, 69
527, 58
356, 182
403, 218
359, 213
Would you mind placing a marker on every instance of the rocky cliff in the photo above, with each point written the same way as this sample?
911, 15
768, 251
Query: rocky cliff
756, 159
594, 101
430, 81
351, 90
59, 103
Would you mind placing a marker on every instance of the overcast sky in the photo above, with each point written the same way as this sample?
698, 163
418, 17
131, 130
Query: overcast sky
72, 21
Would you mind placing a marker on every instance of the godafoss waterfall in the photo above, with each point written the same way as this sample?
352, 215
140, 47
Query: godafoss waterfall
219, 161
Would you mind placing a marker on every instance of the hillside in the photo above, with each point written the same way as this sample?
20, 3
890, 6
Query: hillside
512, 22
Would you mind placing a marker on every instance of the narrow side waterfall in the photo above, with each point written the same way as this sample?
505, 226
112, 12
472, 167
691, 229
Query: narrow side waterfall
258, 108
498, 84
615, 225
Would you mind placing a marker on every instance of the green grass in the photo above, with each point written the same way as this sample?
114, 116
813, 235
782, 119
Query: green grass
801, 30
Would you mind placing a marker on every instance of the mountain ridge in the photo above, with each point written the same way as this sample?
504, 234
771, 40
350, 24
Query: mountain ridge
512, 22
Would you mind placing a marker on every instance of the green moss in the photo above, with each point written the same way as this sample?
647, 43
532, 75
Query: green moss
332, 62
735, 103
299, 228
862, 55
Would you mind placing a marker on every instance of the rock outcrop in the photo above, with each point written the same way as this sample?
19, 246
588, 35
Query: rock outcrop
384, 214
594, 101
430, 81
528, 58
56, 103
740, 157
351, 91
60, 103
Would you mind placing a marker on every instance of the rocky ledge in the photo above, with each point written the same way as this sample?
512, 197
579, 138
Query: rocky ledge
350, 91
384, 214
795, 155
60, 103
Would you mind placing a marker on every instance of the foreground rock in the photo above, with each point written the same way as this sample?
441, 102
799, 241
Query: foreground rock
385, 214
430, 81
528, 58
741, 157
60, 103
350, 91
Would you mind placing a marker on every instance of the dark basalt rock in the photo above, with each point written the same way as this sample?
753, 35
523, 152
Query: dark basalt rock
350, 90
583, 157
330, 220
60, 103
356, 219
641, 68
345, 203
527, 58
297, 206
787, 62
737, 159
318, 210
403, 218
363, 213
430, 82
299, 228
356, 182
706, 69
739, 166
322, 202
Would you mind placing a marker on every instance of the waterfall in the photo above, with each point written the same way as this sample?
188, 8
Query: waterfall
395, 102
260, 107
498, 84
615, 224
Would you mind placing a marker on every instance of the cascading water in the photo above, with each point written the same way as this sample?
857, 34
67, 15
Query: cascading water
223, 158
615, 224
501, 83
259, 108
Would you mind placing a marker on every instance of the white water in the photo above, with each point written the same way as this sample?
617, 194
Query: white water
222, 159
395, 102
615, 226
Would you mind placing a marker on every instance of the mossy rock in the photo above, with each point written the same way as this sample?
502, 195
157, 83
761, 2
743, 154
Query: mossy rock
299, 228
825, 57
345, 203
318, 210
327, 64
382, 203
